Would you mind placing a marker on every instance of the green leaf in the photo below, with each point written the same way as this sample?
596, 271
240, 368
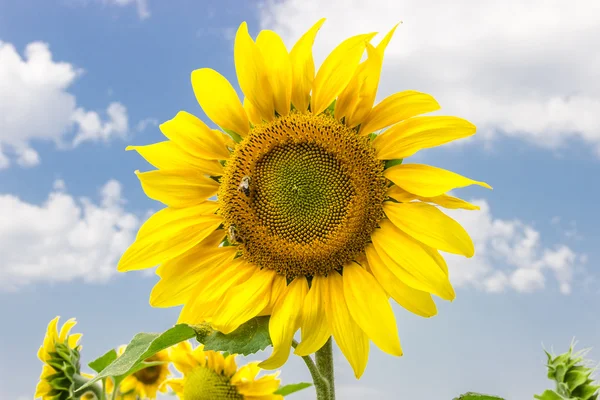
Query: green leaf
292, 388
477, 396
393, 163
102, 362
249, 338
549, 395
142, 346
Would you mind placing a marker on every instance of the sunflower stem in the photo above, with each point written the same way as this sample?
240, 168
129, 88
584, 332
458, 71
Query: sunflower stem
80, 381
321, 383
324, 358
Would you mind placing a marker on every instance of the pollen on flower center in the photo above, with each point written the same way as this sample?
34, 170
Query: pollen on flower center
302, 194
203, 383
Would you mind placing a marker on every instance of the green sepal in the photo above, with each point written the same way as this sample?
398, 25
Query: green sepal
577, 376
249, 338
392, 163
292, 388
331, 108
141, 347
236, 138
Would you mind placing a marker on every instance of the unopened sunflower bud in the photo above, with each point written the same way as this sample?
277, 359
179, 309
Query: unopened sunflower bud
572, 374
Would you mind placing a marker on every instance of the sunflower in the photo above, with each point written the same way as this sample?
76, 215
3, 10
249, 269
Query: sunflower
316, 220
210, 375
60, 354
146, 382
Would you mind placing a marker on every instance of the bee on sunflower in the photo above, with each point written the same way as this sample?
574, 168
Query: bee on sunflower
315, 222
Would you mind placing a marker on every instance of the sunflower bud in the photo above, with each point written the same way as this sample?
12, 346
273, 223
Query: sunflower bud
60, 355
572, 375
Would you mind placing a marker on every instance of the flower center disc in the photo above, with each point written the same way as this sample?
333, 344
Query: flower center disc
302, 194
149, 375
205, 384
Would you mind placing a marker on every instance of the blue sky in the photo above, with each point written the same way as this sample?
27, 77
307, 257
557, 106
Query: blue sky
81, 79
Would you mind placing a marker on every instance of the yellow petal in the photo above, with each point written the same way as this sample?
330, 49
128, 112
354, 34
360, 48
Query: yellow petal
244, 301
406, 255
259, 389
407, 137
252, 73
284, 322
336, 71
435, 254
443, 200
192, 135
73, 340
450, 202
303, 67
415, 301
168, 155
430, 226
219, 101
169, 233
428, 181
177, 385
362, 90
180, 275
277, 290
252, 112
230, 366
351, 339
357, 93
279, 69
397, 107
212, 285
66, 328
246, 373
177, 188
370, 308
315, 330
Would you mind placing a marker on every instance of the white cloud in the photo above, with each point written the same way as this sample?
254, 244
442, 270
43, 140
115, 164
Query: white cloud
35, 105
141, 5
28, 157
510, 254
143, 124
516, 68
64, 238
92, 128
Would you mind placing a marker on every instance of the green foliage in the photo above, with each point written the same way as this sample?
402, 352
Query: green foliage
292, 388
249, 338
141, 347
477, 396
572, 377
102, 362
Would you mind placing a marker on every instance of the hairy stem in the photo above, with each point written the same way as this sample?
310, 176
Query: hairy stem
80, 381
324, 358
321, 383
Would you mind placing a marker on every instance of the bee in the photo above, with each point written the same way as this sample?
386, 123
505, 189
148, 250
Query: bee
234, 235
244, 186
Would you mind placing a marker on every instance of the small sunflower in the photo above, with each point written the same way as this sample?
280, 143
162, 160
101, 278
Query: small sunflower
146, 382
60, 354
209, 375
316, 223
